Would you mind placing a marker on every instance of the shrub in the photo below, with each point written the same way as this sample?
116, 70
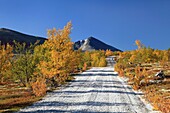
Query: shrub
5, 60
85, 67
102, 62
39, 87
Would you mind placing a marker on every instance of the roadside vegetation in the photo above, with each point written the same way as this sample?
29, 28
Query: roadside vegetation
27, 72
140, 67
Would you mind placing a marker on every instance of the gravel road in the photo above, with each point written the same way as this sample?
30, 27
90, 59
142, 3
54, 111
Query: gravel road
96, 90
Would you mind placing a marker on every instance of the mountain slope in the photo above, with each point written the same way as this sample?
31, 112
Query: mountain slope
91, 44
7, 36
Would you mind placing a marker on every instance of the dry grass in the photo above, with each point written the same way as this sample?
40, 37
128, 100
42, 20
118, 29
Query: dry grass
159, 95
157, 92
13, 97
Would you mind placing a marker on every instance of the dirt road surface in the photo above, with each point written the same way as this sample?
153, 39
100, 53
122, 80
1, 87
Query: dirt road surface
98, 90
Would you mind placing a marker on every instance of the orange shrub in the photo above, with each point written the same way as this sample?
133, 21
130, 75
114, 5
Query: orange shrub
85, 67
108, 53
39, 87
138, 77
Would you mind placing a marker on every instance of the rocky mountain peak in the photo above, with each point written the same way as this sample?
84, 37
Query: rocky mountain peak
91, 44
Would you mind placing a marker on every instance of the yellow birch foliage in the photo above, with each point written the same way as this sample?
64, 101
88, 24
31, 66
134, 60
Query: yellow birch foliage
39, 87
108, 53
139, 44
165, 58
102, 62
85, 67
95, 59
137, 78
59, 53
5, 60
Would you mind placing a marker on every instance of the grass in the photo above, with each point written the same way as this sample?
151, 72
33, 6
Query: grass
13, 97
157, 93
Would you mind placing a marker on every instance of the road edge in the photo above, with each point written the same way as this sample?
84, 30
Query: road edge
148, 105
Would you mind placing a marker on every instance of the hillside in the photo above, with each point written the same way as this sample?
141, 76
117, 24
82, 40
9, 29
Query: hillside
89, 44
7, 36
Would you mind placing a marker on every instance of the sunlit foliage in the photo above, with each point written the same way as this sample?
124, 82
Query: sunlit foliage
23, 65
5, 61
46, 66
140, 66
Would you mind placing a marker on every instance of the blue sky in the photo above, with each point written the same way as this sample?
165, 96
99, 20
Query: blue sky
116, 22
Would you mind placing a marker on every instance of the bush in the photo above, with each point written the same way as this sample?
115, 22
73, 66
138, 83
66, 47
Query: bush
39, 87
102, 62
5, 61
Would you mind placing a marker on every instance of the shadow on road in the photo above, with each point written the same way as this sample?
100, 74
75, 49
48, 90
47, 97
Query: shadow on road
68, 111
99, 71
75, 104
99, 91
103, 81
96, 74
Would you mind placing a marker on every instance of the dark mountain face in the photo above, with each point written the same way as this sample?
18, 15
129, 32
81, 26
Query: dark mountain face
7, 36
91, 44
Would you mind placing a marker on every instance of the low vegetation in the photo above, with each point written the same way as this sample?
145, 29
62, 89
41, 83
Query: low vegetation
28, 72
140, 66
13, 97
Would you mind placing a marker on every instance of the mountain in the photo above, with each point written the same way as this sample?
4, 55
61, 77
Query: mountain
7, 36
91, 44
